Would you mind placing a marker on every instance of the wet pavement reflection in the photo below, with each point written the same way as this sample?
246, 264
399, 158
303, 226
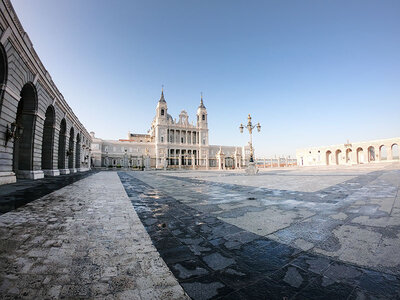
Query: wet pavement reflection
213, 259
24, 191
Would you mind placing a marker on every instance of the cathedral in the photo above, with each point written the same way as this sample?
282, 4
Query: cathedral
170, 144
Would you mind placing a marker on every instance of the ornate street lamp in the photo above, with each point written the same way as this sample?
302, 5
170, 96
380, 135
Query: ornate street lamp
15, 132
250, 128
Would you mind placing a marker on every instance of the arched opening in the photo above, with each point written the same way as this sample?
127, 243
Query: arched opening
337, 154
395, 151
348, 156
78, 152
360, 155
383, 152
48, 139
371, 154
3, 73
71, 149
328, 157
25, 123
61, 144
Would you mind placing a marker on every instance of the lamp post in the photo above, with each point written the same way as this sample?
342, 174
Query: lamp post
106, 160
125, 158
250, 128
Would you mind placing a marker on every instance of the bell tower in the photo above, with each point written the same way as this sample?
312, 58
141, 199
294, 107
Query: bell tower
162, 109
202, 115
202, 124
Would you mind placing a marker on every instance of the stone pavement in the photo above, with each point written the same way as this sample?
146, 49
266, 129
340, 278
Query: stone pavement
308, 233
338, 240
82, 241
24, 191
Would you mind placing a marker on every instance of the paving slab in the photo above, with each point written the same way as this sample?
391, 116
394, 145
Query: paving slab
305, 244
83, 241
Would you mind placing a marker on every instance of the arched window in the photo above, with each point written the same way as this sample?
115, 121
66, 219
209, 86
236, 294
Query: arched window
162, 112
328, 157
203, 117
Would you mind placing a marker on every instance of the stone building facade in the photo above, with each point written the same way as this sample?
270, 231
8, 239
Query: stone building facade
385, 150
39, 133
170, 143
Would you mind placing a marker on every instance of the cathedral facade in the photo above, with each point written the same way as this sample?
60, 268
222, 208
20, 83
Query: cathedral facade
170, 143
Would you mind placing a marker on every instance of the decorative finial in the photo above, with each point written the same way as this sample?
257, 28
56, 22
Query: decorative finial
162, 99
201, 100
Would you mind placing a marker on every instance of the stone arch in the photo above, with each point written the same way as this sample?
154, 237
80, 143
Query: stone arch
383, 155
337, 156
360, 155
61, 144
25, 123
3, 73
328, 157
48, 139
71, 148
348, 155
78, 151
395, 151
371, 154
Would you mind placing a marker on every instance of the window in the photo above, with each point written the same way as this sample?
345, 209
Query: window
162, 112
162, 139
204, 117
182, 140
204, 141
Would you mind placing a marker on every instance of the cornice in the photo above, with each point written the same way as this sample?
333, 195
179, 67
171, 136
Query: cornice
21, 41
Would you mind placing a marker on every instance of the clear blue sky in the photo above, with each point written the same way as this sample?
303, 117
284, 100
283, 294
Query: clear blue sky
311, 72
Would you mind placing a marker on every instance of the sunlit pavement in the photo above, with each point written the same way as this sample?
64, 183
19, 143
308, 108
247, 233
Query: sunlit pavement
334, 234
326, 233
83, 241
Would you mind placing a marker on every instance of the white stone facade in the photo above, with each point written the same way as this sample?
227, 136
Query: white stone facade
39, 133
384, 150
171, 143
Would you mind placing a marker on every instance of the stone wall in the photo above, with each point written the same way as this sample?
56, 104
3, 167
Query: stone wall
384, 150
32, 110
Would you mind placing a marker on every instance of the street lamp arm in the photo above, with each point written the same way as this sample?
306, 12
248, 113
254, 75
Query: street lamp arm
250, 128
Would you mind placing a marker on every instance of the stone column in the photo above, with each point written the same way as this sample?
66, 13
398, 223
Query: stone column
66, 158
389, 152
73, 169
54, 171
